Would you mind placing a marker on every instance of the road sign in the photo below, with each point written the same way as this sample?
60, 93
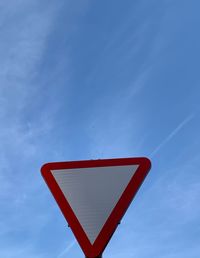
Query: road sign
93, 196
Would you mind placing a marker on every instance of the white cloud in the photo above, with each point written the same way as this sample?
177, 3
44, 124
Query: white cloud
24, 33
25, 27
172, 134
25, 30
63, 253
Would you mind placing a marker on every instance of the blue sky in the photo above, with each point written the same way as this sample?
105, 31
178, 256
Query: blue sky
100, 79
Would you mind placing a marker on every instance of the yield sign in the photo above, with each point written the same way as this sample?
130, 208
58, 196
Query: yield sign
93, 196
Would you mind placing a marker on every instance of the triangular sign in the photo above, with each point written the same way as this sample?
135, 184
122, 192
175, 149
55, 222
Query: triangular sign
93, 196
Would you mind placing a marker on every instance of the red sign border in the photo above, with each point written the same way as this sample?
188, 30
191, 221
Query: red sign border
97, 248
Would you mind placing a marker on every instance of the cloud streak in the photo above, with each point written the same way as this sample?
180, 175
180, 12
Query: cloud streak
172, 134
67, 249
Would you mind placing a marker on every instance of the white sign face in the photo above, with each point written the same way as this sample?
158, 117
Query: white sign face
93, 193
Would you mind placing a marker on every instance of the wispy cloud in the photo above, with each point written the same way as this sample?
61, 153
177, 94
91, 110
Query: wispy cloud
67, 249
27, 121
21, 52
24, 29
115, 55
172, 134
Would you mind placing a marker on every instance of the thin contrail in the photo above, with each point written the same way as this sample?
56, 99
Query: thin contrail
67, 249
172, 134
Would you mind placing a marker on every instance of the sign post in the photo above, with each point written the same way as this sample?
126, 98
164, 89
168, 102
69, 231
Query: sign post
100, 256
93, 196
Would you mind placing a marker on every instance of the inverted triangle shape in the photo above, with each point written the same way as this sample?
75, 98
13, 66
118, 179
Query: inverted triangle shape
93, 196
92, 193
